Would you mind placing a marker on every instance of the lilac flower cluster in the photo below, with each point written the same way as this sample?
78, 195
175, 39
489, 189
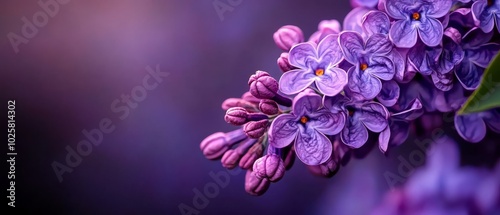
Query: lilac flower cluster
393, 62
443, 187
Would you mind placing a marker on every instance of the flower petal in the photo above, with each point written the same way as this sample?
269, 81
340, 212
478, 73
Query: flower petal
430, 31
451, 55
302, 55
329, 50
354, 134
381, 67
332, 82
383, 139
469, 74
375, 22
378, 44
327, 122
475, 37
306, 102
423, 58
398, 9
493, 120
352, 21
399, 65
313, 147
471, 127
438, 8
403, 34
482, 17
352, 45
483, 55
283, 130
294, 81
363, 83
400, 131
374, 116
451, 100
443, 82
389, 94
411, 113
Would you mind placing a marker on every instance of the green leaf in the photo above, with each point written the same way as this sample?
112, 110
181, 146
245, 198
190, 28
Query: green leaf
487, 95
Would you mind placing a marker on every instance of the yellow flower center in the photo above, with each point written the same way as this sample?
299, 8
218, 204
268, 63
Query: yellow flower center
304, 119
363, 66
416, 16
319, 72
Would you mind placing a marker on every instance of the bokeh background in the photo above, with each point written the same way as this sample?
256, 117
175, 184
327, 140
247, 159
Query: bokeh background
91, 52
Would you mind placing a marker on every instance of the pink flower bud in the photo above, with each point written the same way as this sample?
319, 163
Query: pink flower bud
215, 145
268, 107
236, 116
288, 36
251, 156
270, 167
237, 102
255, 186
250, 98
256, 129
262, 85
231, 158
283, 62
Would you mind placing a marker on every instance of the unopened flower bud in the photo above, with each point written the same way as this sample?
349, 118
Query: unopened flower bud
215, 145
254, 153
262, 85
255, 186
270, 167
256, 129
240, 116
247, 96
237, 102
288, 36
333, 25
283, 62
268, 107
231, 158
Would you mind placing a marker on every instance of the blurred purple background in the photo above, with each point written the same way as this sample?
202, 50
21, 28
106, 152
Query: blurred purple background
91, 52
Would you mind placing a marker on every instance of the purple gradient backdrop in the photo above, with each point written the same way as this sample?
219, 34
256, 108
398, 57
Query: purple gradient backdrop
92, 52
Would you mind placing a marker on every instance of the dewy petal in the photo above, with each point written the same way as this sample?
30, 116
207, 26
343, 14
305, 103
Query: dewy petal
329, 50
327, 122
374, 116
471, 127
302, 55
375, 22
354, 134
283, 130
294, 81
352, 45
312, 147
378, 44
438, 8
398, 9
381, 67
482, 17
332, 82
403, 34
469, 74
363, 83
306, 102
430, 31
383, 139
389, 94
483, 55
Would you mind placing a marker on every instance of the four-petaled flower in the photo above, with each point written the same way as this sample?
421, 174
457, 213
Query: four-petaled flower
369, 60
307, 125
316, 64
485, 14
361, 116
417, 18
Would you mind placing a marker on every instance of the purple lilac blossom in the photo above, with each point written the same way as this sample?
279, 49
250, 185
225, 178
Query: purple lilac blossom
485, 14
307, 125
370, 65
443, 187
472, 127
361, 116
417, 19
316, 64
